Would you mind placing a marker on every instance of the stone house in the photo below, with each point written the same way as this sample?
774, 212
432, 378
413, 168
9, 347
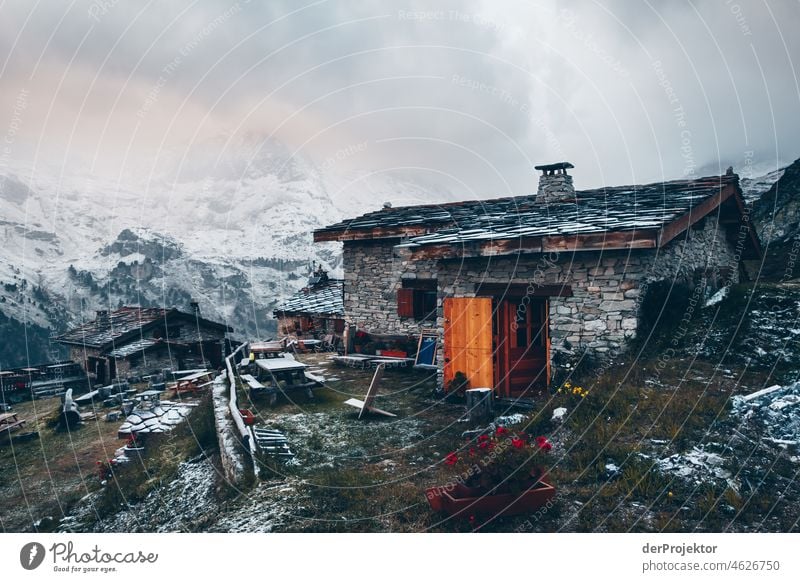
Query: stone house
136, 341
316, 310
510, 282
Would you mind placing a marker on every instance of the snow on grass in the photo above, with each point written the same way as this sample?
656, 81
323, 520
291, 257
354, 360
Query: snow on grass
718, 297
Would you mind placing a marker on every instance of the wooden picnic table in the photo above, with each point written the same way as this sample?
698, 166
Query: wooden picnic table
363, 361
252, 382
257, 388
10, 422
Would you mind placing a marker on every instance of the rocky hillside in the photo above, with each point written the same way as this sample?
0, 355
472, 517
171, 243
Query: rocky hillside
776, 215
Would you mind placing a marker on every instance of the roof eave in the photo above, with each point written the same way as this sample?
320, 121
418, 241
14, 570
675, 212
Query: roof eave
605, 241
364, 234
78, 343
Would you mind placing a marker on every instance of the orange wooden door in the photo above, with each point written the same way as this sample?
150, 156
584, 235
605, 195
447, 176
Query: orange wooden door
468, 340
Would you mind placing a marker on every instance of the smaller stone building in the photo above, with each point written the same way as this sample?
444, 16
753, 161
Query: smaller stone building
510, 282
317, 310
136, 341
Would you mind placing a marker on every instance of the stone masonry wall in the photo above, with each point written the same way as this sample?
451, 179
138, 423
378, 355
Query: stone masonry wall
373, 273
607, 286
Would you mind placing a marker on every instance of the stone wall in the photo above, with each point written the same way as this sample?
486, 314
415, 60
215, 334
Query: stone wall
151, 362
373, 273
607, 287
290, 325
702, 249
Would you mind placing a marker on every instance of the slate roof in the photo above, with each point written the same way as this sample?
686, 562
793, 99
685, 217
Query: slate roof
602, 210
134, 347
125, 324
323, 299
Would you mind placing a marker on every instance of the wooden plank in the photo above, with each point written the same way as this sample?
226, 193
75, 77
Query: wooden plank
683, 222
356, 403
756, 251
624, 240
546, 327
356, 234
373, 388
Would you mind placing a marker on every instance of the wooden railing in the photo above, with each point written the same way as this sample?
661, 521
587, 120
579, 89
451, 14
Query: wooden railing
244, 430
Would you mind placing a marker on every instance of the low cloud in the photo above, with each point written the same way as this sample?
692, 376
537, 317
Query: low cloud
470, 94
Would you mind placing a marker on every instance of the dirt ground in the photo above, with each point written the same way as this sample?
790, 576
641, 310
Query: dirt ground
42, 478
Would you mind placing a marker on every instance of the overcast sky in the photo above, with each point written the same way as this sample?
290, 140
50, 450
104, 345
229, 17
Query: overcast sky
467, 94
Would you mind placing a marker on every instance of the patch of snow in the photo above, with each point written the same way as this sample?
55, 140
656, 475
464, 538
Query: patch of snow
697, 465
718, 296
510, 419
773, 413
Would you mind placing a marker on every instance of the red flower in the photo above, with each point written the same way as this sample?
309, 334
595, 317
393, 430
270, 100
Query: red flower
484, 444
451, 459
518, 443
543, 443
471, 452
483, 438
501, 430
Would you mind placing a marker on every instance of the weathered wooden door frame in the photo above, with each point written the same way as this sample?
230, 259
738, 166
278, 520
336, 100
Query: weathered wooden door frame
505, 308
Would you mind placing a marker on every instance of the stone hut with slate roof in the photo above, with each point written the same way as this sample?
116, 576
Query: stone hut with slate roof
135, 341
315, 310
510, 282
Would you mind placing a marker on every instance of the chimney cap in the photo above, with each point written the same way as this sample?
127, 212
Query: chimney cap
553, 167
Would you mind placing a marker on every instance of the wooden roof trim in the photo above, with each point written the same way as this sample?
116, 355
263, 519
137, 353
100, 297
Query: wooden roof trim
685, 221
606, 241
369, 234
745, 216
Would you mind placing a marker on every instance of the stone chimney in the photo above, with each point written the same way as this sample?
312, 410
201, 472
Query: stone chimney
195, 307
555, 185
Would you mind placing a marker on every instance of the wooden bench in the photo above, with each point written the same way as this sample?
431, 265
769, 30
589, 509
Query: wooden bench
257, 388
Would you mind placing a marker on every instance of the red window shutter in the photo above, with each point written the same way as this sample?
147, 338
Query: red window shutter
405, 302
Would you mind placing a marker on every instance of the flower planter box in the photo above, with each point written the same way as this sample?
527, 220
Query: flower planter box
467, 501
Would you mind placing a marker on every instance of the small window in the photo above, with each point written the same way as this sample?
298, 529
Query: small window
418, 302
